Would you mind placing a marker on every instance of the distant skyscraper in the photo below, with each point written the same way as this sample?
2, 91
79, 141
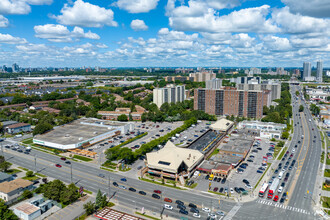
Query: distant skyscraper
15, 68
319, 71
307, 71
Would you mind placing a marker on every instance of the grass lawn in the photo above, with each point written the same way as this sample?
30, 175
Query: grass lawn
276, 151
30, 178
282, 153
13, 171
22, 168
216, 151
222, 194
327, 172
322, 157
325, 188
82, 158
159, 183
108, 169
40, 175
192, 186
328, 160
147, 216
326, 203
28, 141
87, 191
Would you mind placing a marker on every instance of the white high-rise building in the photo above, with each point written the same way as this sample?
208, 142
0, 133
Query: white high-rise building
169, 94
319, 71
213, 83
307, 71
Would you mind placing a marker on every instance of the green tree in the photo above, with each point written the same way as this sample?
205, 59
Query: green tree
301, 108
130, 117
98, 199
27, 194
70, 194
54, 189
6, 213
4, 166
89, 207
122, 117
29, 173
285, 135
42, 128
297, 93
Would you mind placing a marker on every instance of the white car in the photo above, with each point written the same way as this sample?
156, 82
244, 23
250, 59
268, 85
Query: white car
280, 189
231, 190
122, 187
206, 209
196, 215
248, 186
211, 215
169, 207
220, 213
293, 150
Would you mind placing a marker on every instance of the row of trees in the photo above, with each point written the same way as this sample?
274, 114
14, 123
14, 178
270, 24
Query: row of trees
100, 202
118, 153
58, 191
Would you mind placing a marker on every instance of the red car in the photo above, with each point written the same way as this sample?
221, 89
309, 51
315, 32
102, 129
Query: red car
276, 198
58, 165
168, 200
287, 152
63, 158
291, 155
157, 191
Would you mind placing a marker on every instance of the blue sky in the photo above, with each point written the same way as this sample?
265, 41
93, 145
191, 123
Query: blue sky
139, 33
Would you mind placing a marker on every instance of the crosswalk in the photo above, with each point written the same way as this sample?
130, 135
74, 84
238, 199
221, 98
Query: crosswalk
232, 212
279, 205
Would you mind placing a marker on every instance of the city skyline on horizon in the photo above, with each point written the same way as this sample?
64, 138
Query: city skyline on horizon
172, 33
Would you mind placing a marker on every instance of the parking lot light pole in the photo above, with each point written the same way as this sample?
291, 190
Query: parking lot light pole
71, 172
35, 163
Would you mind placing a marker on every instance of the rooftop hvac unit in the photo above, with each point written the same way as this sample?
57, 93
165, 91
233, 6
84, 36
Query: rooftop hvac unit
80, 138
95, 132
67, 135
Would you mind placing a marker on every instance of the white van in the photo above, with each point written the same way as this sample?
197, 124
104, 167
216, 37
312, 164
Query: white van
280, 175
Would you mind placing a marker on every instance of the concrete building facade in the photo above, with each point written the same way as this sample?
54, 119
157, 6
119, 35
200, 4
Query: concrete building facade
307, 73
319, 71
214, 83
169, 94
231, 101
275, 88
203, 76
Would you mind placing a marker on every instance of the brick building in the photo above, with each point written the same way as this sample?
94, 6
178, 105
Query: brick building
113, 115
230, 101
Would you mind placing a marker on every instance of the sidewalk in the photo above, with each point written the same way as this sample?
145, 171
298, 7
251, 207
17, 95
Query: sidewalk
72, 211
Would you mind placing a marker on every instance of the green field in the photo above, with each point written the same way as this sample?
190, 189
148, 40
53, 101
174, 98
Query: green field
78, 157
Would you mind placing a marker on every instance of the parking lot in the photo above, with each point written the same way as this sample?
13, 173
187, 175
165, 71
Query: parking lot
191, 134
253, 162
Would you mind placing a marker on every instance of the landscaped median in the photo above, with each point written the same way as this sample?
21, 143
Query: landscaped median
268, 165
282, 153
160, 183
132, 139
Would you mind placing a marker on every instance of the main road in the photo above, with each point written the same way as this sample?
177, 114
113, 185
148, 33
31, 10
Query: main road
299, 205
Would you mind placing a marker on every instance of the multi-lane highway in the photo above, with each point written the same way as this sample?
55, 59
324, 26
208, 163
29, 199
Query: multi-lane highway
298, 206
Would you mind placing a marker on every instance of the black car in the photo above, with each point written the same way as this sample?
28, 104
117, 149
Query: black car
215, 179
221, 190
132, 189
237, 190
246, 181
287, 174
179, 202
26, 152
298, 142
7, 146
207, 177
282, 200
192, 205
283, 158
276, 171
219, 179
249, 160
180, 206
21, 151
283, 184
241, 189
223, 180
259, 148
255, 151
194, 210
142, 193
67, 162
285, 179
115, 184
290, 167
182, 211
155, 196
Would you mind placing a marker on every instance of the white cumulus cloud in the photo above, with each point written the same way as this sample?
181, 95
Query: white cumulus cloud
138, 25
86, 15
314, 8
136, 6
8, 39
60, 33
197, 16
3, 22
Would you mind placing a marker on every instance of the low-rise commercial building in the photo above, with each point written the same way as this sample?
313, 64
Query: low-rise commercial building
17, 128
10, 191
82, 133
27, 211
265, 129
173, 162
4, 177
113, 115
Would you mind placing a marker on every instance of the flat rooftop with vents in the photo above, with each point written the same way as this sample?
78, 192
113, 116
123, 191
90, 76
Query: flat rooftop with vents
79, 134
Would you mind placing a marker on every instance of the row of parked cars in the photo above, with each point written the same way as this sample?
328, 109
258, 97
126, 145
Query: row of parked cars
19, 148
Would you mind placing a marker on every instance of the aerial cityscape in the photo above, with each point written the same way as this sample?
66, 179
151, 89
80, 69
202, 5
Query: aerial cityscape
174, 109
